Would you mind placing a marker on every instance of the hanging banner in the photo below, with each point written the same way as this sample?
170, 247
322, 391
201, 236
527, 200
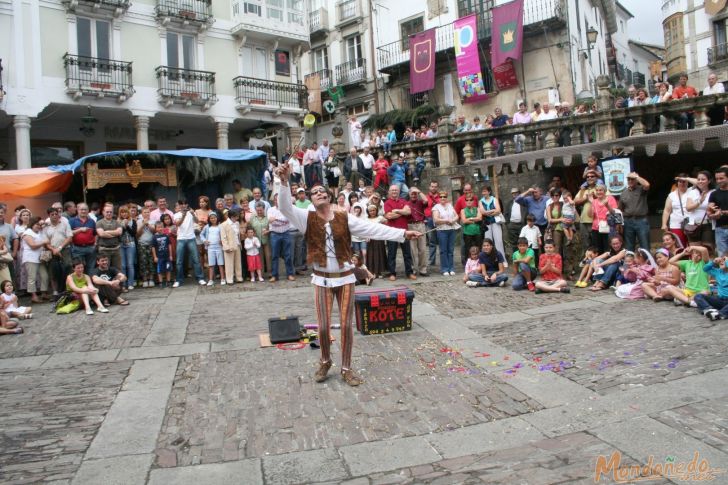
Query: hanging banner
313, 85
470, 77
505, 76
422, 61
507, 32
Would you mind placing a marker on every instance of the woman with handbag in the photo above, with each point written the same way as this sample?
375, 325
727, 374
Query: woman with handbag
675, 214
601, 206
699, 228
35, 261
22, 221
554, 216
490, 210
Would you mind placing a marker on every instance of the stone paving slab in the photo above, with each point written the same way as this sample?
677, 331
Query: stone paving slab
306, 467
151, 374
132, 424
163, 351
240, 404
48, 418
119, 470
246, 471
366, 458
73, 358
23, 362
706, 421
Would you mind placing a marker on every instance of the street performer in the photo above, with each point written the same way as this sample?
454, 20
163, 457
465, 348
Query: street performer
328, 238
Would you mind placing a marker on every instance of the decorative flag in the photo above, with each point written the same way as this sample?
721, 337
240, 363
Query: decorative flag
470, 77
422, 61
505, 76
313, 85
336, 93
507, 32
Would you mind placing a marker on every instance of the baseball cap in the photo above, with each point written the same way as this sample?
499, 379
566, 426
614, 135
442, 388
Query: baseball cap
300, 189
514, 189
401, 154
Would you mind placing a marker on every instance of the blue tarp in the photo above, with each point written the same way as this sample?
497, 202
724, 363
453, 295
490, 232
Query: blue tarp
222, 155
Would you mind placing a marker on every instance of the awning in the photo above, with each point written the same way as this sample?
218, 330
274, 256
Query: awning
32, 182
199, 153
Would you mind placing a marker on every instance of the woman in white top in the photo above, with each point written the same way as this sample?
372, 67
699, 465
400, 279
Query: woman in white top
676, 208
446, 223
33, 244
490, 210
697, 211
22, 225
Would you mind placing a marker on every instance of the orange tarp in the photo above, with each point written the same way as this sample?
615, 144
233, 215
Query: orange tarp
32, 182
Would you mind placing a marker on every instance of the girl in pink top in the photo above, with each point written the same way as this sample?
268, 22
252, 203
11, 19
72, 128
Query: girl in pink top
602, 205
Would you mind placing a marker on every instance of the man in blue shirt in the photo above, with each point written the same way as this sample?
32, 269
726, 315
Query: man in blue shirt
535, 203
715, 307
500, 120
398, 175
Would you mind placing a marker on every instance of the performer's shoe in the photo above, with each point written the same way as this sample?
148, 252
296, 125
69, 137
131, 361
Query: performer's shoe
351, 378
322, 373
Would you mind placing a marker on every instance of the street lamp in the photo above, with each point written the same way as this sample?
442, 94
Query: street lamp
591, 39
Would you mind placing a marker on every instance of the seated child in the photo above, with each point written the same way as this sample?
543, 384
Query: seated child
568, 214
549, 266
640, 268
628, 271
696, 280
715, 307
524, 266
361, 272
9, 302
472, 264
587, 270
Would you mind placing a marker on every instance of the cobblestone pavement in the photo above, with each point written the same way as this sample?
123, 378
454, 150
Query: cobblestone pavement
491, 386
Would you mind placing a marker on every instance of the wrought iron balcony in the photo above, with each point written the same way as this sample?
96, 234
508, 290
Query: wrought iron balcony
318, 21
115, 7
326, 77
92, 76
717, 53
348, 11
535, 12
186, 12
351, 72
186, 86
253, 93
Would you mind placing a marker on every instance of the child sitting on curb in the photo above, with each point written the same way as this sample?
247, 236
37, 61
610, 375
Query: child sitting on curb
549, 266
524, 266
715, 307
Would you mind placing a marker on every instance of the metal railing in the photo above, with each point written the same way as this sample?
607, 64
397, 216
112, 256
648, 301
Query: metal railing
717, 53
347, 10
94, 76
122, 4
326, 77
398, 52
252, 91
351, 72
199, 11
186, 85
318, 20
534, 11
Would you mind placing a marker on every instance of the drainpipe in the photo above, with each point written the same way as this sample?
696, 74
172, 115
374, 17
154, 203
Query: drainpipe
370, 7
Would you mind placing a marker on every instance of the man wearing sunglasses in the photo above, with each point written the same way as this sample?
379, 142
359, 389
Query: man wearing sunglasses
328, 238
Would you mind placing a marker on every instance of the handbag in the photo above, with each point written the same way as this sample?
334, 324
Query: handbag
46, 255
684, 222
6, 257
693, 230
500, 219
603, 227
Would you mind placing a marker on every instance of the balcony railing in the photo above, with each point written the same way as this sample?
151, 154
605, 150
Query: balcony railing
398, 52
351, 72
197, 12
327, 78
717, 53
186, 86
534, 12
97, 77
318, 20
261, 92
117, 7
348, 11
575, 137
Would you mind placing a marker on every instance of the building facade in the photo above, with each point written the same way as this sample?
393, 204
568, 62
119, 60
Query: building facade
341, 58
85, 76
558, 62
695, 39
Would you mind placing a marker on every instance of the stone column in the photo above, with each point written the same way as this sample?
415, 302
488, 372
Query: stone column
222, 129
141, 123
22, 141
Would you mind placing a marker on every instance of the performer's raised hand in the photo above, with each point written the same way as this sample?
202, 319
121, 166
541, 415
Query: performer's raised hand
412, 234
283, 172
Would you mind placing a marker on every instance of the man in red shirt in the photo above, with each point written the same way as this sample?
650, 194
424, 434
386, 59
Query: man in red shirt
397, 212
418, 206
433, 198
460, 204
682, 91
549, 267
84, 237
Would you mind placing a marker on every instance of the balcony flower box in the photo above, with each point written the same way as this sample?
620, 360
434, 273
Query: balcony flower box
189, 95
188, 14
257, 101
100, 86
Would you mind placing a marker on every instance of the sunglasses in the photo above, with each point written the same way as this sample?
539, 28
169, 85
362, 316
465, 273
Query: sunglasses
320, 190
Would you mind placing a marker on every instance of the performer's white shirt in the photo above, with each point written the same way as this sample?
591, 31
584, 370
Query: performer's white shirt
357, 227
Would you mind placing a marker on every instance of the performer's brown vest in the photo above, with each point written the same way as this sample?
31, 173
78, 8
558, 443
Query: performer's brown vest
316, 238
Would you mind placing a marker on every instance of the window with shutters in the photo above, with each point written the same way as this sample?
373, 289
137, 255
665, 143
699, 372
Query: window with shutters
409, 27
